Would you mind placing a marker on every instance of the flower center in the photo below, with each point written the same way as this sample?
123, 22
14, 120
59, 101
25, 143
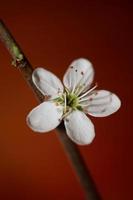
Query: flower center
69, 100
73, 100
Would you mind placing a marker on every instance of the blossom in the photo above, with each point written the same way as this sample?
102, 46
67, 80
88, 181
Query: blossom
71, 101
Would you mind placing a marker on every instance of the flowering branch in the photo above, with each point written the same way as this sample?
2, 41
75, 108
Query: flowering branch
23, 65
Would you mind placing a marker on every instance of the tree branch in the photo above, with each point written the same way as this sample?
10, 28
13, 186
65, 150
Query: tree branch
24, 66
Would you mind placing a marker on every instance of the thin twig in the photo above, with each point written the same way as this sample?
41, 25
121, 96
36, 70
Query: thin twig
24, 66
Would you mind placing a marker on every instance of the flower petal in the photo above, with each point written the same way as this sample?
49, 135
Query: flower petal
103, 103
79, 73
47, 82
45, 117
79, 128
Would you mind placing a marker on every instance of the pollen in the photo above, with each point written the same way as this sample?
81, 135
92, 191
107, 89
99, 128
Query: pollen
96, 93
90, 99
67, 120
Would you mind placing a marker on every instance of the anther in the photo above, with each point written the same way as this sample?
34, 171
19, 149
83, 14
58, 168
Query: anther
95, 86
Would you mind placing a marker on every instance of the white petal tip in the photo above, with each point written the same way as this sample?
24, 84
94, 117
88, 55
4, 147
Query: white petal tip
79, 128
33, 123
45, 117
103, 104
81, 61
46, 82
86, 142
117, 103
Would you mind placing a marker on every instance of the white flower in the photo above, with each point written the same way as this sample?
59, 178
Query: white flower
71, 102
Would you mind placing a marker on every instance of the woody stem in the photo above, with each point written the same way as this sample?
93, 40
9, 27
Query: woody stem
24, 66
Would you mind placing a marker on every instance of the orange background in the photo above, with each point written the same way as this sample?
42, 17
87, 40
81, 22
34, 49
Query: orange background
52, 34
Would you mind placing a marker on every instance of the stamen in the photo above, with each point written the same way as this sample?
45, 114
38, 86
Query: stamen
85, 105
81, 88
88, 91
85, 99
92, 105
70, 81
66, 90
66, 114
74, 84
65, 103
89, 98
83, 85
77, 90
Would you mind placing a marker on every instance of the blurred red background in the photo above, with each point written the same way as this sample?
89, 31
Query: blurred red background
52, 34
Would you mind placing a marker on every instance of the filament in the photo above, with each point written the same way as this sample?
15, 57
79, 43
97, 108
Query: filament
83, 95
